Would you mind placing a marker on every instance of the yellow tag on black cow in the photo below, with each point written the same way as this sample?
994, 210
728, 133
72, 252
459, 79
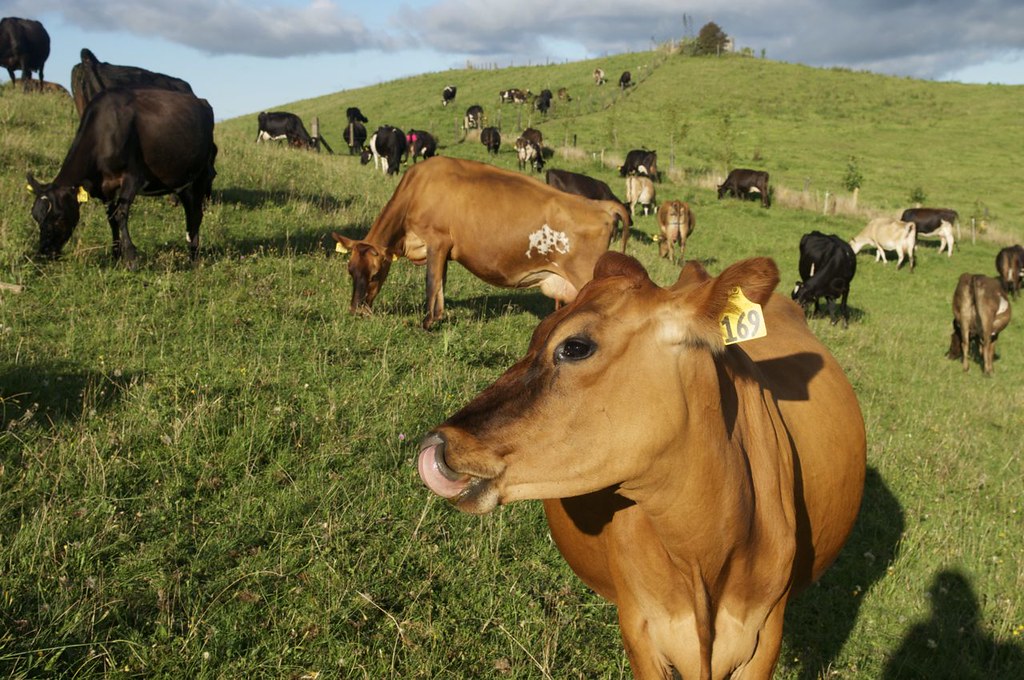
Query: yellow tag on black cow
743, 321
83, 195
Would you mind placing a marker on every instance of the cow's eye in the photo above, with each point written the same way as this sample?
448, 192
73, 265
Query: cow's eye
575, 348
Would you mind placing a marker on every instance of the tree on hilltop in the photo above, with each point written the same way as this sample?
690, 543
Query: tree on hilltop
710, 40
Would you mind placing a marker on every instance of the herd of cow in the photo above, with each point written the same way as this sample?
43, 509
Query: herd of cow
700, 518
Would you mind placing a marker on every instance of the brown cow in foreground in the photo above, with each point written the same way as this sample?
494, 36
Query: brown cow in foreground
698, 515
675, 219
980, 311
506, 228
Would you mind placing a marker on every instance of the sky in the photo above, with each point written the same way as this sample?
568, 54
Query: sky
246, 57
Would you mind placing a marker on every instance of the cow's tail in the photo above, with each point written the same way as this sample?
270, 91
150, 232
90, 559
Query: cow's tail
622, 213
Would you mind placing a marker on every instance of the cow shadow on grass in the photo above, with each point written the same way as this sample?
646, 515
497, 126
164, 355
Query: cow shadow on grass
486, 307
54, 393
302, 241
255, 199
856, 314
820, 620
953, 642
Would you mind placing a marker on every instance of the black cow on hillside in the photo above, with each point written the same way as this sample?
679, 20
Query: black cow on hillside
130, 143
354, 115
827, 266
640, 162
743, 183
490, 137
543, 101
588, 187
625, 80
91, 76
283, 125
355, 136
24, 46
421, 144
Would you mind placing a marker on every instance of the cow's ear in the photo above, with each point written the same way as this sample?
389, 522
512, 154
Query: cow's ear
617, 264
344, 244
692, 273
696, 312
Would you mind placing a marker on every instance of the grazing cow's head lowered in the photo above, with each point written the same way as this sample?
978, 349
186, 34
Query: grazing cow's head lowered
56, 211
369, 266
698, 486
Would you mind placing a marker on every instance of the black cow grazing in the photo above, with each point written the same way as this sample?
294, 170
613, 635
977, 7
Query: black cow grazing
640, 162
934, 222
92, 76
1010, 265
129, 143
827, 266
354, 115
389, 146
588, 187
981, 311
421, 144
24, 46
625, 80
514, 96
491, 138
448, 94
474, 119
355, 136
284, 125
543, 101
743, 183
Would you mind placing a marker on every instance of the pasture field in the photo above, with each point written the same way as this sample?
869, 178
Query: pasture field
208, 471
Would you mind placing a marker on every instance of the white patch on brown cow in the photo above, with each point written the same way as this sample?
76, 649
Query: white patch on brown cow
546, 239
1003, 305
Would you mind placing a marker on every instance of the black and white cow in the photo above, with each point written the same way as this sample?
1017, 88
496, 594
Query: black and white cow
474, 119
24, 46
283, 125
448, 94
640, 162
490, 137
529, 153
389, 147
744, 183
599, 78
421, 144
827, 266
935, 222
514, 96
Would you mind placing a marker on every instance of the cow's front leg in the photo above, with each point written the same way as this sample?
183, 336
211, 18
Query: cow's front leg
117, 216
437, 274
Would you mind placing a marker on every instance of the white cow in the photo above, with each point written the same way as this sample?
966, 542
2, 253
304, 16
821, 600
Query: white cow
888, 233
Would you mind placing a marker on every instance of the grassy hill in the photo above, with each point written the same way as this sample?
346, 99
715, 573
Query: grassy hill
208, 471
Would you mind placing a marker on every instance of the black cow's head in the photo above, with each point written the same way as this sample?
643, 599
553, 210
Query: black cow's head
56, 210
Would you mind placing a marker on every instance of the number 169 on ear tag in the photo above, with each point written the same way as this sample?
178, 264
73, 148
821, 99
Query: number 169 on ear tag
744, 320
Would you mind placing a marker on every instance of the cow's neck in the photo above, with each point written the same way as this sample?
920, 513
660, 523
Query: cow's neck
702, 495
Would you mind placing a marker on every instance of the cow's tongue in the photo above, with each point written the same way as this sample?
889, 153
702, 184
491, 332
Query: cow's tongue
434, 478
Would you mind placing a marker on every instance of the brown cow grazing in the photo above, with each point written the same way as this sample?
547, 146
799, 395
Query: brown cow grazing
506, 228
675, 219
699, 518
981, 310
1010, 265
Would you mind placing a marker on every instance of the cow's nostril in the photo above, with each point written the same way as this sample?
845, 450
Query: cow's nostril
437, 441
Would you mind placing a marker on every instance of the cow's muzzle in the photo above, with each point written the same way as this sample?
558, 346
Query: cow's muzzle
434, 470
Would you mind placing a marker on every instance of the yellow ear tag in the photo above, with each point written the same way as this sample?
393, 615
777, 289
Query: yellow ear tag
83, 195
743, 321
30, 189
338, 248
394, 257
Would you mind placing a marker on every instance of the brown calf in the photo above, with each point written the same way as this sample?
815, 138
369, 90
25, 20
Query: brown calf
980, 311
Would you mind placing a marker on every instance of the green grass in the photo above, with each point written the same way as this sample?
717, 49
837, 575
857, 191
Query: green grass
207, 472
